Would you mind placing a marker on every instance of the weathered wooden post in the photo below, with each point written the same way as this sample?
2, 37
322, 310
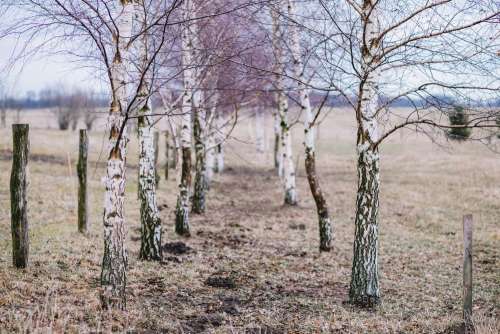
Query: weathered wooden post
167, 150
81, 169
18, 195
468, 224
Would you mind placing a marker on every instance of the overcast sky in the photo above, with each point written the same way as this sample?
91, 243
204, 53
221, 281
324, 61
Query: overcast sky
40, 72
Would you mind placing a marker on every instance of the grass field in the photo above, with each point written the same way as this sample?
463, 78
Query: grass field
279, 281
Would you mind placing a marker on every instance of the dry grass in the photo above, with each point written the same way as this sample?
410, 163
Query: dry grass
282, 283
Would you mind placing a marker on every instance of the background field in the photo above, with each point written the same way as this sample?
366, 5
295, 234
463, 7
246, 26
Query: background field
270, 252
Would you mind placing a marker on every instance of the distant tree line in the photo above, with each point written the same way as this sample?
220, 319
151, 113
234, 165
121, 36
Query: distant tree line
50, 97
317, 98
69, 106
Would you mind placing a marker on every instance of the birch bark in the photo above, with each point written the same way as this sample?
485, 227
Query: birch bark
277, 155
150, 219
209, 174
259, 132
200, 182
211, 133
286, 137
182, 209
114, 262
325, 224
364, 288
199, 112
148, 146
219, 149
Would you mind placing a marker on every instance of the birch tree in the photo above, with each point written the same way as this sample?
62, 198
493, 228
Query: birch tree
287, 168
97, 31
219, 148
150, 221
325, 224
378, 49
182, 209
200, 116
114, 262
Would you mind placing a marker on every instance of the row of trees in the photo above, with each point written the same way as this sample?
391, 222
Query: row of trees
68, 107
207, 60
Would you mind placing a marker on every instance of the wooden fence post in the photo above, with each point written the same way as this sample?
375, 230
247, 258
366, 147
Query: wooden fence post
18, 195
81, 169
468, 224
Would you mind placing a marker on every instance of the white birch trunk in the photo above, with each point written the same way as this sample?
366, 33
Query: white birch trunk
174, 123
114, 263
182, 209
278, 161
288, 165
260, 140
219, 138
200, 183
199, 131
209, 174
364, 287
220, 158
211, 133
286, 136
325, 224
150, 218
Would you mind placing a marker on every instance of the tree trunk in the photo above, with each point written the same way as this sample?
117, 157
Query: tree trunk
282, 100
210, 153
182, 209
364, 290
167, 153
277, 136
176, 152
325, 224
286, 149
18, 195
149, 139
200, 167
114, 262
150, 220
219, 148
259, 132
219, 163
200, 120
156, 142
82, 183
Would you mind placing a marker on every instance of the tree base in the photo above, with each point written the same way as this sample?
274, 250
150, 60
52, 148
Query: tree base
110, 300
182, 219
291, 200
149, 256
182, 231
325, 232
365, 302
198, 206
325, 248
